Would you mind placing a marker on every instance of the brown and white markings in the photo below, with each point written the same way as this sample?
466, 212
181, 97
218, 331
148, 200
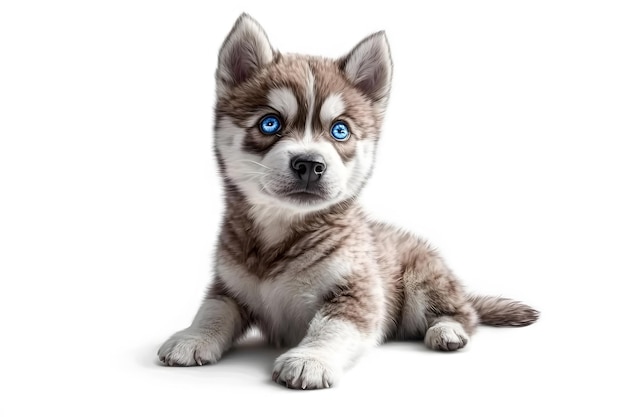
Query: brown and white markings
295, 140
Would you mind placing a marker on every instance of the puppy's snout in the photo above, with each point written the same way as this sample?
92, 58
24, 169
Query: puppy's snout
308, 168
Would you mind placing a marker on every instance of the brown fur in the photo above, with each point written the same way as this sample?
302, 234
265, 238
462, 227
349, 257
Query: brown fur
496, 311
244, 101
403, 261
408, 267
324, 278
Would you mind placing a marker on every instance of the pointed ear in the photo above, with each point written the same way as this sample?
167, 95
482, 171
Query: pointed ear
245, 50
369, 66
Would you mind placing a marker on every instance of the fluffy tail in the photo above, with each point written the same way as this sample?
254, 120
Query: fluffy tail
497, 311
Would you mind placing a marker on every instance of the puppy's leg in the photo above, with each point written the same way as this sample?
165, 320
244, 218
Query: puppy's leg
436, 304
451, 318
344, 327
218, 323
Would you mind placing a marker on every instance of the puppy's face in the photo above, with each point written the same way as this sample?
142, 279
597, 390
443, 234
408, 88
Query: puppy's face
298, 132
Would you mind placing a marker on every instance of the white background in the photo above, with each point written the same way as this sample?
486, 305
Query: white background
504, 145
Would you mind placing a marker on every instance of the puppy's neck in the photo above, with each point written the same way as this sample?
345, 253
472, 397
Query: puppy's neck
274, 224
271, 225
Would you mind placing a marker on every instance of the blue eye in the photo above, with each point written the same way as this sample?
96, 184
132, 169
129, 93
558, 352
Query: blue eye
269, 125
340, 131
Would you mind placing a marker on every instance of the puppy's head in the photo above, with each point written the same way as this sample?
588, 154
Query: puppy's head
298, 132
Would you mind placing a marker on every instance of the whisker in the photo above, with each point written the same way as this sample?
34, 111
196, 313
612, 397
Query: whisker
255, 162
256, 173
254, 176
264, 186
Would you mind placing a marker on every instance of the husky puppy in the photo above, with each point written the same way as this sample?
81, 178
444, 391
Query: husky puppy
297, 257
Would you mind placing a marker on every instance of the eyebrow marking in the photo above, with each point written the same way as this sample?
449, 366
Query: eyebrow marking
332, 108
284, 100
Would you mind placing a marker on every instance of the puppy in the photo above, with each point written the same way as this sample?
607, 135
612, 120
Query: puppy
297, 257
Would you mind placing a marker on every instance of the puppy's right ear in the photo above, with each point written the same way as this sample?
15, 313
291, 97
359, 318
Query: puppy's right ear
245, 50
369, 67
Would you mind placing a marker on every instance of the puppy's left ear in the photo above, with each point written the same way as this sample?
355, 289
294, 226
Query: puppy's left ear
244, 52
369, 67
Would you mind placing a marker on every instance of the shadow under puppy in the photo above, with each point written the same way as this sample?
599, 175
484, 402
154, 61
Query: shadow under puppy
297, 257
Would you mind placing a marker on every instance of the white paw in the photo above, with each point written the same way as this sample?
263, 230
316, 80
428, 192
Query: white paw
446, 336
189, 347
301, 370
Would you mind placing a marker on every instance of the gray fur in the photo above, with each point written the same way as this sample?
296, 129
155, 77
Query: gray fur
315, 273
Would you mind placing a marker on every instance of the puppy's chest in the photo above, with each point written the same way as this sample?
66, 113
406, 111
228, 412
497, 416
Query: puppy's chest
284, 301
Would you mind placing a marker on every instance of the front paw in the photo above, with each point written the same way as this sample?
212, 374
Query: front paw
189, 347
300, 369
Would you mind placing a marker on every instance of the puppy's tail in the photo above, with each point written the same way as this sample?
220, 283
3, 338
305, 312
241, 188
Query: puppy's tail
497, 311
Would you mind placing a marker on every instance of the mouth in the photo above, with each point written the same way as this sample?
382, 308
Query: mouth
305, 197
300, 195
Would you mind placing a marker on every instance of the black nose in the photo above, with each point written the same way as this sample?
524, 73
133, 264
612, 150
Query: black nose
308, 168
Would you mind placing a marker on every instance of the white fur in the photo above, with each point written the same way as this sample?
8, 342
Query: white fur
310, 98
210, 334
284, 101
274, 221
245, 169
446, 335
359, 168
229, 139
332, 108
296, 294
335, 177
329, 347
288, 305
261, 178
